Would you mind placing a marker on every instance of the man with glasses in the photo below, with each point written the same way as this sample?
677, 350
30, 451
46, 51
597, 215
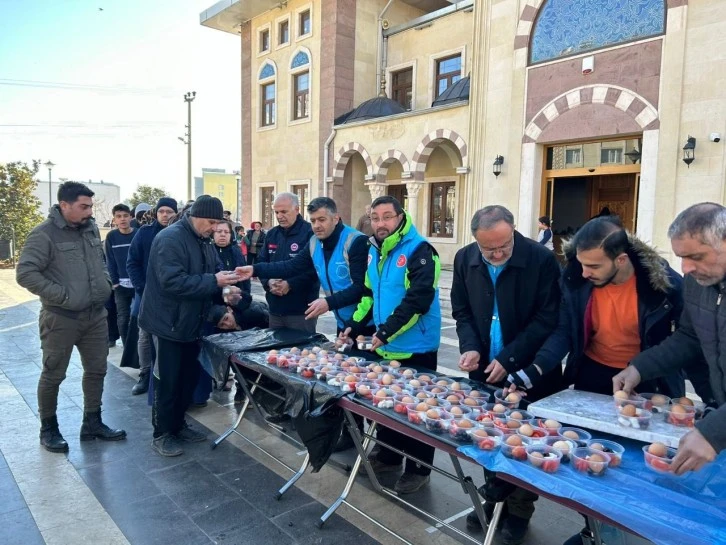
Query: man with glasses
505, 300
402, 296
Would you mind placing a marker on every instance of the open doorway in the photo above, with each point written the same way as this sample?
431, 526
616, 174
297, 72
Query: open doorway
573, 200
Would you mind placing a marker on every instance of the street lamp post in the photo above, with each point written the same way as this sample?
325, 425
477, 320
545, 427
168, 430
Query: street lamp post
49, 165
189, 98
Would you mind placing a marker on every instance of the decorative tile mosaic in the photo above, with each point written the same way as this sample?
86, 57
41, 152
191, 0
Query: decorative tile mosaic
568, 27
300, 59
267, 71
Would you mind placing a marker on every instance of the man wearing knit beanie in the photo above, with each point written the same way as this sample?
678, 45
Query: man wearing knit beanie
168, 202
176, 303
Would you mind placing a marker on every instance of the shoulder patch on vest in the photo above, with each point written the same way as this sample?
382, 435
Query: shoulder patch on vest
370, 258
294, 247
423, 261
401, 261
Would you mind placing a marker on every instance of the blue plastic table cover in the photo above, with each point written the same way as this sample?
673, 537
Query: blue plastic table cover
666, 509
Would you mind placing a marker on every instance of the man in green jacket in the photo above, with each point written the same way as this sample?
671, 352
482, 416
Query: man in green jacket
62, 263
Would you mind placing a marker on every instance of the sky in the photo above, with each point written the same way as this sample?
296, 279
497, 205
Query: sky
100, 93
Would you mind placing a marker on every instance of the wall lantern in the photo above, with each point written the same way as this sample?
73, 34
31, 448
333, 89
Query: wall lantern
689, 151
497, 167
634, 155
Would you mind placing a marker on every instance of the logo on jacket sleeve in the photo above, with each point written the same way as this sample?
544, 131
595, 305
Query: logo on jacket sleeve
401, 261
294, 247
370, 258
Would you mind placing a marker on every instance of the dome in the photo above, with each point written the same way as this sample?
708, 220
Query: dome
455, 93
370, 109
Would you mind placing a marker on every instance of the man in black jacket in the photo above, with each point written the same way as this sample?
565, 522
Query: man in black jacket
177, 298
698, 237
289, 299
504, 298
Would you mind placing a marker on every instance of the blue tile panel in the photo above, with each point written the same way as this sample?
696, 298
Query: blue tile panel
568, 27
267, 71
300, 59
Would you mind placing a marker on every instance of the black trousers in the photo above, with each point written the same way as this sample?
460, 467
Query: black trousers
175, 378
593, 376
403, 442
123, 297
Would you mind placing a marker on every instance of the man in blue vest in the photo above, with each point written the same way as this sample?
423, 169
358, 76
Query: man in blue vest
339, 255
402, 297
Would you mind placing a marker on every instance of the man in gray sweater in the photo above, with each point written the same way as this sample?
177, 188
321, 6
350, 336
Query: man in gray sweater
698, 237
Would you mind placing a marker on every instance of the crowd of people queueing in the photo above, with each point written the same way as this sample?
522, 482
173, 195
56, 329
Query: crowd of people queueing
617, 312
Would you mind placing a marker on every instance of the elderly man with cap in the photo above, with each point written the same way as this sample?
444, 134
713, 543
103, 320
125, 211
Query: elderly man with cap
177, 298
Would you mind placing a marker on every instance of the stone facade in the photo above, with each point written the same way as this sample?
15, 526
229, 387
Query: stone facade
655, 89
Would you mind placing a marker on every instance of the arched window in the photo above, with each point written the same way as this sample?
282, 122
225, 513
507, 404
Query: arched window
268, 95
300, 85
569, 27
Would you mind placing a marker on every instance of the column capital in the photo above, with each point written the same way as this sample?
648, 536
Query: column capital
377, 189
413, 189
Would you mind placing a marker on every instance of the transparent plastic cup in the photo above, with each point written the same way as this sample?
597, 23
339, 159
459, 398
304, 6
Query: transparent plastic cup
589, 461
659, 464
544, 457
613, 449
487, 439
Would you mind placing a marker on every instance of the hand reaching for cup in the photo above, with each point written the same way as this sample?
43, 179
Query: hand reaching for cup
245, 273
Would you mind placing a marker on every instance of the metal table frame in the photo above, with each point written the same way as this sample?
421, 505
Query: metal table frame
362, 442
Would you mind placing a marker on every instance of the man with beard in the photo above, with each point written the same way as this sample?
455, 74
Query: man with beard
619, 298
62, 262
136, 265
698, 237
402, 296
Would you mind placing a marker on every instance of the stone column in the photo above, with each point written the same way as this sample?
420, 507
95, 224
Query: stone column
648, 184
529, 189
413, 189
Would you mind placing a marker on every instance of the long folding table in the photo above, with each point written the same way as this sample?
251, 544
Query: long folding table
385, 417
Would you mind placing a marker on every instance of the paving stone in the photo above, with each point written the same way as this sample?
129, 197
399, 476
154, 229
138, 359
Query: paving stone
19, 527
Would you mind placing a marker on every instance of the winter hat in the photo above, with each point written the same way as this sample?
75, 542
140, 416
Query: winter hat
216, 313
142, 207
208, 208
167, 201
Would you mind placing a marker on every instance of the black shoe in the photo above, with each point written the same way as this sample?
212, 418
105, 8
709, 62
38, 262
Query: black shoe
94, 428
514, 530
50, 435
472, 520
167, 445
278, 418
190, 435
142, 386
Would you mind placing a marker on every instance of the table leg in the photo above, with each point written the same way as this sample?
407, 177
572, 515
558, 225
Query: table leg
294, 479
594, 527
248, 398
361, 446
492, 529
469, 488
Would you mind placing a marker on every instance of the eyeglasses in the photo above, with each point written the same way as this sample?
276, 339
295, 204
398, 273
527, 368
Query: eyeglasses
384, 219
500, 249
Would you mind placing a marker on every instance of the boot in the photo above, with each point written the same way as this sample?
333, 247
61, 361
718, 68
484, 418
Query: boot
142, 386
50, 435
93, 428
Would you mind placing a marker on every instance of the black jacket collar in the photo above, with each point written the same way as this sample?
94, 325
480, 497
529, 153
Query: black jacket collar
332, 241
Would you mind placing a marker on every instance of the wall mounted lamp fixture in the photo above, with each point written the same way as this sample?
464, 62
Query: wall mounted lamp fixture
497, 166
689, 151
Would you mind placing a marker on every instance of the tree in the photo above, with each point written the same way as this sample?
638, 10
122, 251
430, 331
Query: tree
19, 207
147, 194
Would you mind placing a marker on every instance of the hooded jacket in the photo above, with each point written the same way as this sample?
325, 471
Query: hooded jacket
138, 259
64, 266
701, 332
659, 308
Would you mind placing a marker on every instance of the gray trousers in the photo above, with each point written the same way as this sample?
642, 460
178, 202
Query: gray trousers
293, 322
144, 348
58, 335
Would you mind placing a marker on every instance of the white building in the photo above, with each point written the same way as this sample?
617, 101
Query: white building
107, 196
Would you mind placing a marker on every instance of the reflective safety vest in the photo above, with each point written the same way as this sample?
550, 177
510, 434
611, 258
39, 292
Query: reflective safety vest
335, 276
389, 286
